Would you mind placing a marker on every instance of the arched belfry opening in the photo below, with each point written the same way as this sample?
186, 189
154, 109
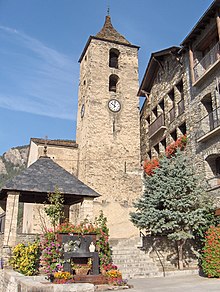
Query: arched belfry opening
113, 58
113, 81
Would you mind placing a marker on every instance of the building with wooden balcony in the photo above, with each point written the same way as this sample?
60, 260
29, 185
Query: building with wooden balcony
182, 90
202, 55
163, 112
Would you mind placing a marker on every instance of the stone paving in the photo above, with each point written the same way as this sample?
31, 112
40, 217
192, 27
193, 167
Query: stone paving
188, 283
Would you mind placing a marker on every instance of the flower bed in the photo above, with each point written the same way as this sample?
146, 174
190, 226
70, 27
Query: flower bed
211, 253
45, 255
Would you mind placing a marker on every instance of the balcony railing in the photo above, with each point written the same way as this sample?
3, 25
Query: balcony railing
2, 222
209, 123
156, 125
181, 107
207, 61
172, 114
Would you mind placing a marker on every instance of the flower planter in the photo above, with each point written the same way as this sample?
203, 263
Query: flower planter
83, 271
93, 279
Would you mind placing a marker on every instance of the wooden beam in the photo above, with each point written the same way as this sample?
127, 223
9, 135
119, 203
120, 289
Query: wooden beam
218, 23
191, 64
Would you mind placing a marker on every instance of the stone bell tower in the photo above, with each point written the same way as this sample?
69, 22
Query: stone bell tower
108, 125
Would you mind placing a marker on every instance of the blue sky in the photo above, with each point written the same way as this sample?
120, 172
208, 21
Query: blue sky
40, 44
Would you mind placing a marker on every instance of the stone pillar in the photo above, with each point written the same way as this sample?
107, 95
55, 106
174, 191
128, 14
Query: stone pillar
11, 219
86, 209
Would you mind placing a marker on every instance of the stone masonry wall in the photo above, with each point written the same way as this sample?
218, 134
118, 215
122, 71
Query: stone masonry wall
108, 142
169, 75
164, 253
11, 281
205, 89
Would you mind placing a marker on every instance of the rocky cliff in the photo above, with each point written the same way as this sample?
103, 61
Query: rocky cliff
12, 162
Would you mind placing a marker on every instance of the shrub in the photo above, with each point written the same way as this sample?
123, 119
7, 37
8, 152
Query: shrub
103, 240
25, 259
114, 277
51, 252
211, 252
100, 228
63, 275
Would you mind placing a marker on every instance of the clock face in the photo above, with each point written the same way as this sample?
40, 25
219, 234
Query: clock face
114, 105
82, 111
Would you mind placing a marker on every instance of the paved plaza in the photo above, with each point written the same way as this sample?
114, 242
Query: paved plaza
189, 283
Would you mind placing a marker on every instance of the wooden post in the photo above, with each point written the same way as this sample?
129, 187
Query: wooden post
218, 24
191, 64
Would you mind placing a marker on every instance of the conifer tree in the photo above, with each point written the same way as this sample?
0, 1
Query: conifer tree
174, 203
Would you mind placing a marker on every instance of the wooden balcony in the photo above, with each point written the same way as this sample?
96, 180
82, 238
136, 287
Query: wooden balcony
181, 107
203, 65
156, 126
209, 126
172, 114
214, 182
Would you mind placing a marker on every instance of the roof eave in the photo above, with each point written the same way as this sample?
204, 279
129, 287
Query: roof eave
200, 23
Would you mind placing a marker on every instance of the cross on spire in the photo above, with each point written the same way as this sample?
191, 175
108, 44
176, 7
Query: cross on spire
108, 8
45, 145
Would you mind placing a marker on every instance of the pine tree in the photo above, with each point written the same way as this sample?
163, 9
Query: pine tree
174, 203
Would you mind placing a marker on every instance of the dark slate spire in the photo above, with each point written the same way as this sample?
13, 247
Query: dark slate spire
109, 33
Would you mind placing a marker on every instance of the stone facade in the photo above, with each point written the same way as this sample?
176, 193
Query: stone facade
63, 152
183, 97
108, 152
163, 115
165, 256
202, 58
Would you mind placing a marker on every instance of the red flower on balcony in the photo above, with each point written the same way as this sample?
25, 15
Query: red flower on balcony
180, 143
150, 165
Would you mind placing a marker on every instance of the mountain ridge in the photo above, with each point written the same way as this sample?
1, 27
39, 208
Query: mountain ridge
12, 162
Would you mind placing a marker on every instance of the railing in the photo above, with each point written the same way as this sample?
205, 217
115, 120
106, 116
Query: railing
181, 107
209, 123
207, 61
156, 125
2, 222
172, 114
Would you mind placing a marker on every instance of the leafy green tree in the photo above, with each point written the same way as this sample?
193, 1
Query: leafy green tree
174, 203
55, 209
